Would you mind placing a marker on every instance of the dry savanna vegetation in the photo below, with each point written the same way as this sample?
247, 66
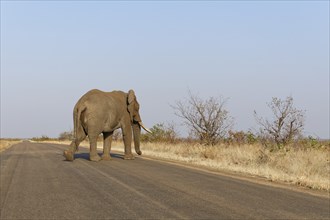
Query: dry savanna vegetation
306, 164
7, 143
306, 167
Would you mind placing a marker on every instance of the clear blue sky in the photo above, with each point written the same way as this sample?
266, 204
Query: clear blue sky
52, 52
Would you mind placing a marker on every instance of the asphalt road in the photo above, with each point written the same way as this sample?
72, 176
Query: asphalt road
36, 183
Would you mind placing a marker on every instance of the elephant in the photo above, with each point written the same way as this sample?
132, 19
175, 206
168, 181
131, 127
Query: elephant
99, 112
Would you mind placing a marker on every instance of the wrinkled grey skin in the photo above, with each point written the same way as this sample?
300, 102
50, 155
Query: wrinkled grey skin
99, 112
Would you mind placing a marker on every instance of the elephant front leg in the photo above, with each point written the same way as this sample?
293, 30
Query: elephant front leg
107, 139
127, 137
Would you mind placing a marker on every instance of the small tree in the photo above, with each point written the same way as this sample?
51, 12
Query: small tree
286, 124
208, 120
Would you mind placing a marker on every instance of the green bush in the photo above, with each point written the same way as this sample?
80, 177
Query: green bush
160, 133
240, 138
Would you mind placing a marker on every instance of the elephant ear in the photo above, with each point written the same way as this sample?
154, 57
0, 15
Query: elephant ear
131, 99
131, 96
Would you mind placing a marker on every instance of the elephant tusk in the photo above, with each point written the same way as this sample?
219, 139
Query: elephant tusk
146, 129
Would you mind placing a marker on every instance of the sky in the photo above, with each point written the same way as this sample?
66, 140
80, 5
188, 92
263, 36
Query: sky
52, 52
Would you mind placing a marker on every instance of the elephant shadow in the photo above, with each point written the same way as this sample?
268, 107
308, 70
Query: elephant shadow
117, 156
85, 156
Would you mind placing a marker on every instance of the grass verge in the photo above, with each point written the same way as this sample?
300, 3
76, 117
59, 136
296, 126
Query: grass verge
304, 167
7, 143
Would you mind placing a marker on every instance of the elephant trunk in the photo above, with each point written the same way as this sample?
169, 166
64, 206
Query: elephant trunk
136, 135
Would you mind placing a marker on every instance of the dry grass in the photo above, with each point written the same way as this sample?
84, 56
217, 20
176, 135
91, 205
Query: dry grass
309, 168
7, 143
305, 167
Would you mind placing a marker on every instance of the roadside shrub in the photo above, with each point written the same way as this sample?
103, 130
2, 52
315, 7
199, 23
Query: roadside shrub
42, 138
236, 137
117, 135
241, 138
311, 142
66, 135
251, 138
160, 133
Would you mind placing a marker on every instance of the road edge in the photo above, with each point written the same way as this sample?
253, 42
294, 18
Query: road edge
243, 176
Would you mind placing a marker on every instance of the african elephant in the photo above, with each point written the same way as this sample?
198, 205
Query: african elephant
99, 112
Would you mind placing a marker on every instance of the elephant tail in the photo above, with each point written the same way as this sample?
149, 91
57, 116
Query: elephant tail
77, 124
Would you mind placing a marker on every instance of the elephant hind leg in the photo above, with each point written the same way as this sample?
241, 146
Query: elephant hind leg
79, 137
69, 154
93, 156
76, 142
107, 139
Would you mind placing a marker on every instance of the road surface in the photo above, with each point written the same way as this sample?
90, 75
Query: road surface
36, 183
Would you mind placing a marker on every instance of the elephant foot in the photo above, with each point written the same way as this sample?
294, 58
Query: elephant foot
69, 155
129, 157
94, 158
106, 157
